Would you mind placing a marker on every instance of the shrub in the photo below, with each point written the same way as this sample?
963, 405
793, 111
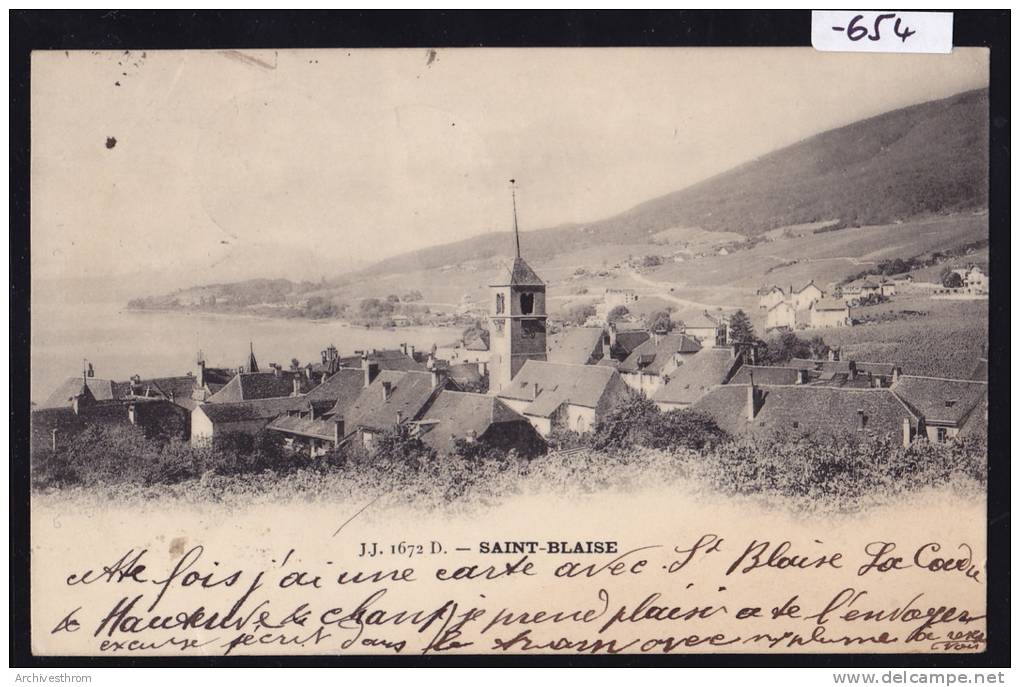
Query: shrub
617, 313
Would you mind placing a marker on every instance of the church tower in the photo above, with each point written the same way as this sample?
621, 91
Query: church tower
517, 317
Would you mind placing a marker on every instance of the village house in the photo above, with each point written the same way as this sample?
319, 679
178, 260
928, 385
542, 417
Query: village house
706, 369
770, 296
212, 420
251, 386
975, 281
178, 390
622, 339
708, 329
948, 406
855, 292
803, 409
317, 426
391, 398
805, 296
476, 418
836, 372
649, 365
54, 424
830, 312
781, 316
555, 396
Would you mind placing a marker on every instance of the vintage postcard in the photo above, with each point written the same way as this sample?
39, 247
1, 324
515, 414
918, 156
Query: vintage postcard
405, 352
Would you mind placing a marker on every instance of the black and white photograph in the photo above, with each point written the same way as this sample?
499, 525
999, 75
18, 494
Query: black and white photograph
509, 351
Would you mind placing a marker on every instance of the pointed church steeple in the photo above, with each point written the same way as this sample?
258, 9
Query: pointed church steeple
517, 320
252, 365
521, 273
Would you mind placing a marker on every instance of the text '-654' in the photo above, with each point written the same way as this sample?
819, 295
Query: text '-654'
859, 31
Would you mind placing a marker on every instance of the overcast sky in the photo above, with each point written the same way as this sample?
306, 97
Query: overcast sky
234, 163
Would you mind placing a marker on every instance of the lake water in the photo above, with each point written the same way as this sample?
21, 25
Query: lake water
120, 343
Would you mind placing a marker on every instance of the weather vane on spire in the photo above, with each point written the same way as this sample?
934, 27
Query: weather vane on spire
517, 237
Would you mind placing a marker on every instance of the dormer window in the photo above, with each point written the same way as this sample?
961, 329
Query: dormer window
527, 303
950, 403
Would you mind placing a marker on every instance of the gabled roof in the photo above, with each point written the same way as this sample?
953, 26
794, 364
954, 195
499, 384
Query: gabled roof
101, 389
766, 375
627, 341
700, 321
559, 383
800, 409
766, 290
248, 386
410, 392
830, 304
576, 345
651, 356
943, 401
341, 389
456, 414
242, 411
519, 274
807, 286
697, 376
782, 304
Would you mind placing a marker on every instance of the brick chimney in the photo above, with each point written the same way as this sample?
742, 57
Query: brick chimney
895, 374
201, 373
276, 369
296, 379
906, 432
308, 371
371, 369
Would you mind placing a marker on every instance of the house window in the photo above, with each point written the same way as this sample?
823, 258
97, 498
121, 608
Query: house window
527, 303
500, 303
941, 434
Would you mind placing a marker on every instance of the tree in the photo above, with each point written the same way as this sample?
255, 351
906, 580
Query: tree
617, 314
393, 298
685, 428
952, 280
661, 321
741, 330
579, 313
632, 423
396, 446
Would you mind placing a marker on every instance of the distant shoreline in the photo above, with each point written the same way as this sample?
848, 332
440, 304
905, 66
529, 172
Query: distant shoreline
277, 318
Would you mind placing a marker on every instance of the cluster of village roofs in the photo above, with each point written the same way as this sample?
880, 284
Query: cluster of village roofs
523, 384
812, 307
